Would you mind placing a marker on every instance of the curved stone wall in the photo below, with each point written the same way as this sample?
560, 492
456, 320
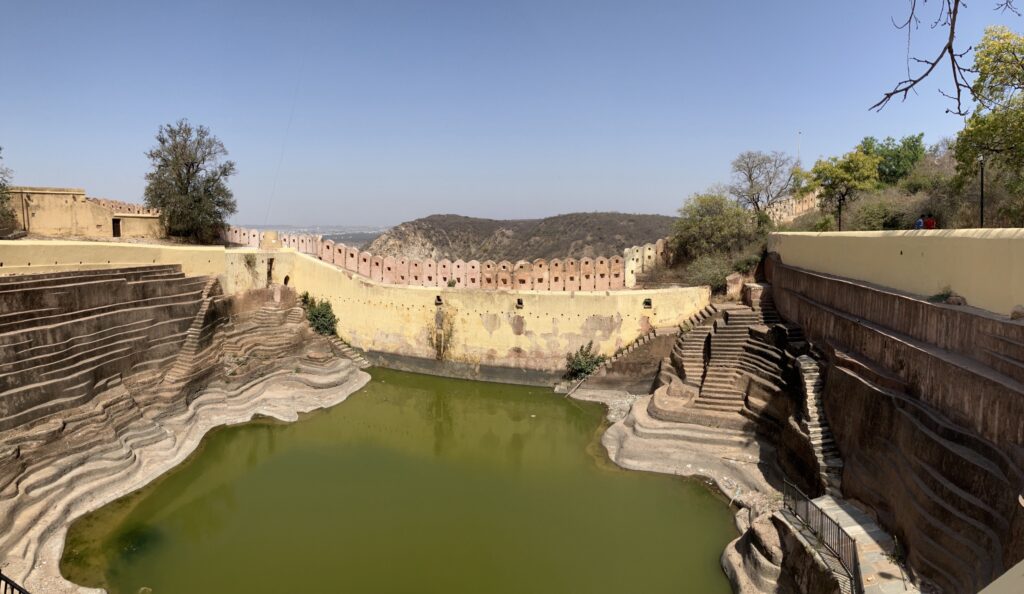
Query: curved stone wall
507, 327
558, 274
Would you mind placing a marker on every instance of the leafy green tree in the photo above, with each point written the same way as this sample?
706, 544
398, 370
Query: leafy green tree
995, 130
761, 179
712, 223
189, 181
7, 217
897, 157
839, 179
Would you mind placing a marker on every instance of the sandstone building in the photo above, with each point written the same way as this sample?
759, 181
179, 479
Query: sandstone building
68, 212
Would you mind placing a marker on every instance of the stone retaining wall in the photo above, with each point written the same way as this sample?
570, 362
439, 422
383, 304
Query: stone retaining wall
925, 403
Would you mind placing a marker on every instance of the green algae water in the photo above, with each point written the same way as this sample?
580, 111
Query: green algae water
415, 484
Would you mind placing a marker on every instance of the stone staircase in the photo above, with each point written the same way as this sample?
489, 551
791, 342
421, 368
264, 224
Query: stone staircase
730, 334
184, 364
348, 351
65, 337
714, 365
815, 426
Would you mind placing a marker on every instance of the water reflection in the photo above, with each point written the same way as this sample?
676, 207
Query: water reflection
415, 484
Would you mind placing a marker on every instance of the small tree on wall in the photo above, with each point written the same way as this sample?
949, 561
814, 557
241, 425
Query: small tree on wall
839, 179
188, 182
7, 219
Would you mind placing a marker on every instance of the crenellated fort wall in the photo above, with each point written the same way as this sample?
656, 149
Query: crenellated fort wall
558, 274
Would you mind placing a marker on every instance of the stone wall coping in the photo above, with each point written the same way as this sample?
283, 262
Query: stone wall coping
133, 215
85, 244
45, 190
995, 233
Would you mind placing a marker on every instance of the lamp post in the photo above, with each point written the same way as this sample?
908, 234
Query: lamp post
981, 204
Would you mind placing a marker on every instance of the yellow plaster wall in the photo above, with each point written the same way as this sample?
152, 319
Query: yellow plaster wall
488, 328
133, 225
33, 256
59, 211
986, 266
66, 212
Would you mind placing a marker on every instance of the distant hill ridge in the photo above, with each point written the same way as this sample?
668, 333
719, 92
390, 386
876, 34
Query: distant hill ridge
574, 235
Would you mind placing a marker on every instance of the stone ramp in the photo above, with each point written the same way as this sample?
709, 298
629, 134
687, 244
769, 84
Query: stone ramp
875, 547
633, 370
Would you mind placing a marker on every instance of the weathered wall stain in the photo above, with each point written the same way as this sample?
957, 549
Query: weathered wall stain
441, 332
491, 322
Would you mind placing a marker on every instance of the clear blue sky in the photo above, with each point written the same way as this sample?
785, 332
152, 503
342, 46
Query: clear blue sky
517, 108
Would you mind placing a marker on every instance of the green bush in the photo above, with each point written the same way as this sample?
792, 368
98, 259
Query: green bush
709, 270
451, 283
583, 362
878, 216
711, 223
320, 315
825, 223
746, 264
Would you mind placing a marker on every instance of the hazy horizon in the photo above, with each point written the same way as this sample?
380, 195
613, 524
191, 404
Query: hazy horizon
372, 113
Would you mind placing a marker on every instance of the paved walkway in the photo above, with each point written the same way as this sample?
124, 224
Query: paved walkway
880, 575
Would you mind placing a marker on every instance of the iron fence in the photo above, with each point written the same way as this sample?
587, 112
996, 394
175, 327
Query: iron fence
830, 533
7, 586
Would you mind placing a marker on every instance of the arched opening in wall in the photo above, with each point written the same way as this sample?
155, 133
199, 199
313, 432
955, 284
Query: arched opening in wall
270, 270
286, 279
519, 304
647, 303
438, 300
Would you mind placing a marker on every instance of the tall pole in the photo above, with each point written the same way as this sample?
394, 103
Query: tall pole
981, 159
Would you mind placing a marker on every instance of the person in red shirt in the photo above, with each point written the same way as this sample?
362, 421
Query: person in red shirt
929, 222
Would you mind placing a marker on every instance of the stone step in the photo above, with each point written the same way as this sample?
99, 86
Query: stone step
716, 406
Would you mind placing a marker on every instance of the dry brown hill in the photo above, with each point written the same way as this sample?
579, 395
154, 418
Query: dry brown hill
577, 235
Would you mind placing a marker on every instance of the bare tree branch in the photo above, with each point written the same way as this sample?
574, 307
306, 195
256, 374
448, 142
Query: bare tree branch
949, 12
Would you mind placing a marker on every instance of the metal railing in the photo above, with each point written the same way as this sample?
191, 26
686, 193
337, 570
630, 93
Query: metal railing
828, 531
7, 586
